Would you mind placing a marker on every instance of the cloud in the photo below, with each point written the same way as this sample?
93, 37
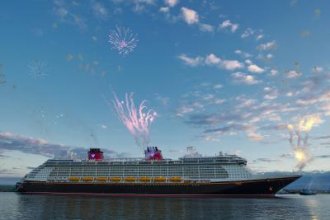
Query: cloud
227, 24
326, 144
206, 27
292, 74
267, 46
99, 10
207, 119
61, 12
271, 93
322, 156
244, 103
190, 16
231, 64
243, 78
267, 111
322, 100
242, 114
242, 53
218, 86
265, 160
183, 110
211, 60
171, 3
141, 5
322, 137
259, 36
254, 136
247, 33
233, 129
196, 61
68, 14
164, 9
227, 129
253, 68
290, 156
6, 172
11, 141
103, 126
317, 69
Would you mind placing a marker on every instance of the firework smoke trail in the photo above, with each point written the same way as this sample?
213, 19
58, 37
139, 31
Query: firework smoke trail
300, 133
136, 119
123, 40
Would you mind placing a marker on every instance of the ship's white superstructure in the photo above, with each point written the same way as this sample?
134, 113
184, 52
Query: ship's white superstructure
192, 175
217, 168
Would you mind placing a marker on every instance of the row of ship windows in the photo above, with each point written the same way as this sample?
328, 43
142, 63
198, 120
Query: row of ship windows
145, 162
149, 171
146, 171
134, 168
190, 175
167, 171
146, 168
195, 170
192, 169
186, 175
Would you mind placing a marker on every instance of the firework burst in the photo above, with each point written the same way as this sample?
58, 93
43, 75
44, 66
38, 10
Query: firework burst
300, 133
123, 40
137, 119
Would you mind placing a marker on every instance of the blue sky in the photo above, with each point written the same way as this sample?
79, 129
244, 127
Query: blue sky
222, 76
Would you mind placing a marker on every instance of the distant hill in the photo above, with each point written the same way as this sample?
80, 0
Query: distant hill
315, 181
9, 180
319, 182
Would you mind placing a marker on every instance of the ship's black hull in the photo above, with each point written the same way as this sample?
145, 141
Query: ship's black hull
256, 187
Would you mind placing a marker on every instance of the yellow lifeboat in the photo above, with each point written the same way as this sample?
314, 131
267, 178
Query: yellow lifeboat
74, 178
130, 179
115, 179
87, 178
175, 179
101, 178
145, 179
159, 179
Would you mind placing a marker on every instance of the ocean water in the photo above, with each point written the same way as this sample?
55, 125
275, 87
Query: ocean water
17, 206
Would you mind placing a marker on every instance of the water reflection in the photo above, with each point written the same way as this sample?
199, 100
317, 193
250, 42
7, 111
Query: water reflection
87, 207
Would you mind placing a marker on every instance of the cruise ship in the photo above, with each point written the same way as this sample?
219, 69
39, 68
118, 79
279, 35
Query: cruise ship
193, 175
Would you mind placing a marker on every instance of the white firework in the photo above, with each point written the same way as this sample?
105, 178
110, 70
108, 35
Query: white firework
137, 119
123, 40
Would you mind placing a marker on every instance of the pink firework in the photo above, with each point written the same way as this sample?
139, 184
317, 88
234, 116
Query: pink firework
136, 119
123, 40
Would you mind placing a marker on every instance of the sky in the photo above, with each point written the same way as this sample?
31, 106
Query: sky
242, 77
